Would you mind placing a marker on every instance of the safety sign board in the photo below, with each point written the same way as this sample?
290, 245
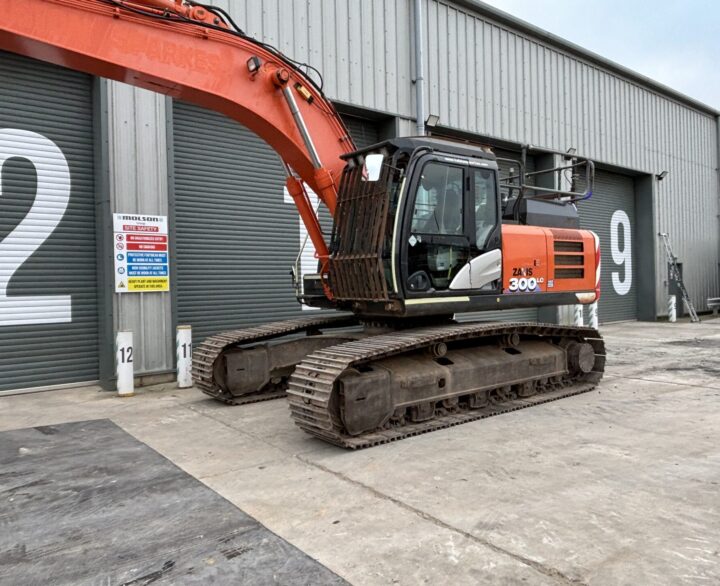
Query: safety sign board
141, 253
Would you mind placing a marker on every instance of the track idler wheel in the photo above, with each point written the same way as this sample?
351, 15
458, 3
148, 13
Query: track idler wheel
581, 357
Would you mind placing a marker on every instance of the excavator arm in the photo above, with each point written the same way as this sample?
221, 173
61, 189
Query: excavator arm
188, 51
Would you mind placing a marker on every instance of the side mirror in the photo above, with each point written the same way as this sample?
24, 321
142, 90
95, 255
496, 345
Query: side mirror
373, 167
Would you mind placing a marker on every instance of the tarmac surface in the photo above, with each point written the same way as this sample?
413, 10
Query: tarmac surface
620, 485
86, 503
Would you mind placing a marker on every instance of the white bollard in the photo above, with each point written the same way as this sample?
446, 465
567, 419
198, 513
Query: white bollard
578, 315
672, 309
124, 364
183, 343
593, 309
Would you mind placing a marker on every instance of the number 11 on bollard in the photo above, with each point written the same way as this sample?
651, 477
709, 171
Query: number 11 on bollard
124, 364
184, 356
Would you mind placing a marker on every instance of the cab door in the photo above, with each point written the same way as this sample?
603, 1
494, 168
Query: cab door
435, 241
483, 272
451, 235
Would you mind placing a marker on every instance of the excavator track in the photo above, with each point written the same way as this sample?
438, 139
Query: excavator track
313, 387
209, 350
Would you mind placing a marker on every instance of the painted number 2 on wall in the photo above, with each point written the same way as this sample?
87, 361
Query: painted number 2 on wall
48, 208
621, 257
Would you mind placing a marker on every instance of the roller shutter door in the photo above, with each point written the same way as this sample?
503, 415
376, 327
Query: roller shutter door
363, 132
610, 213
48, 287
237, 235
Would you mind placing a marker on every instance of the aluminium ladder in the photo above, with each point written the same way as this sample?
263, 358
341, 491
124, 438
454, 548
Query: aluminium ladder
677, 277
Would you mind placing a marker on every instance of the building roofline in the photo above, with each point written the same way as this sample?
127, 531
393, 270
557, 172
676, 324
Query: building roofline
511, 21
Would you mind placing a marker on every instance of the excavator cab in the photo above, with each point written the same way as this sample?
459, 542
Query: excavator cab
430, 219
422, 229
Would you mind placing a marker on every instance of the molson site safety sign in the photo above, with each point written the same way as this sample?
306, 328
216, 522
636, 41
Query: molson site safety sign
141, 253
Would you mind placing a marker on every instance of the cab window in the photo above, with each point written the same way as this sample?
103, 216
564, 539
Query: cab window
439, 201
485, 206
437, 247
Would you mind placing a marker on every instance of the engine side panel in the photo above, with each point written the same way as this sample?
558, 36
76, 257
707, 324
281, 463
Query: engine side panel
550, 260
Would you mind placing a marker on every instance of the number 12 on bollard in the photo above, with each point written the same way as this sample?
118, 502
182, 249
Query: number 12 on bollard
124, 364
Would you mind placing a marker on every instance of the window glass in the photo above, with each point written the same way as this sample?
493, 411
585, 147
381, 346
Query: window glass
438, 201
485, 206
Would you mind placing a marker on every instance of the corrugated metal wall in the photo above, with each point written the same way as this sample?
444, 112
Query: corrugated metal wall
361, 47
139, 184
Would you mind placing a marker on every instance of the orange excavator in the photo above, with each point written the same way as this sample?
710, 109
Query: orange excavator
423, 229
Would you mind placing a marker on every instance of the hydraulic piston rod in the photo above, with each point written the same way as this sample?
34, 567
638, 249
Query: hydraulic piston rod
297, 116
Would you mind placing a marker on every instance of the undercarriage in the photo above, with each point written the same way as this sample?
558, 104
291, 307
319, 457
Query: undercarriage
253, 364
357, 389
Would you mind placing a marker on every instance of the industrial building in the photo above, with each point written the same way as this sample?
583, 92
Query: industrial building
74, 150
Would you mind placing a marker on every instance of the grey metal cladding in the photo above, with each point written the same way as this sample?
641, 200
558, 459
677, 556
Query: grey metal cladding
613, 192
236, 234
361, 47
56, 103
138, 169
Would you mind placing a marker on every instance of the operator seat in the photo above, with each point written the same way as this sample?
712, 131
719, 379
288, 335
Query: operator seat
452, 212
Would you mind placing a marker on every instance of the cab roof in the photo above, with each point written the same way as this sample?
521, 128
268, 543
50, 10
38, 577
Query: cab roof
412, 143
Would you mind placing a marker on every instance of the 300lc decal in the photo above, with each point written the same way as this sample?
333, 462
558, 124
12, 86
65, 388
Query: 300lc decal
525, 284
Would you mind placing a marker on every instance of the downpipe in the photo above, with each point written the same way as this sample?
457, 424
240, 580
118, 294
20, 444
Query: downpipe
419, 73
717, 125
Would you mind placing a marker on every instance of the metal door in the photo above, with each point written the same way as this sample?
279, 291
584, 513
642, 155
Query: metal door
48, 280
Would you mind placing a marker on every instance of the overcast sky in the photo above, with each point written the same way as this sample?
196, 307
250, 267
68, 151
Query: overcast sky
674, 42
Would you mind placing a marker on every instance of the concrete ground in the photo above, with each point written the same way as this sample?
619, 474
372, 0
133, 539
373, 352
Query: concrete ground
617, 486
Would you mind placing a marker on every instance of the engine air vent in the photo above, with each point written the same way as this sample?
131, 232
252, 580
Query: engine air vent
563, 246
569, 273
575, 260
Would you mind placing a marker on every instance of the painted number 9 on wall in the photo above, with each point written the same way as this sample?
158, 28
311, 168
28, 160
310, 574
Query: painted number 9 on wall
621, 257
